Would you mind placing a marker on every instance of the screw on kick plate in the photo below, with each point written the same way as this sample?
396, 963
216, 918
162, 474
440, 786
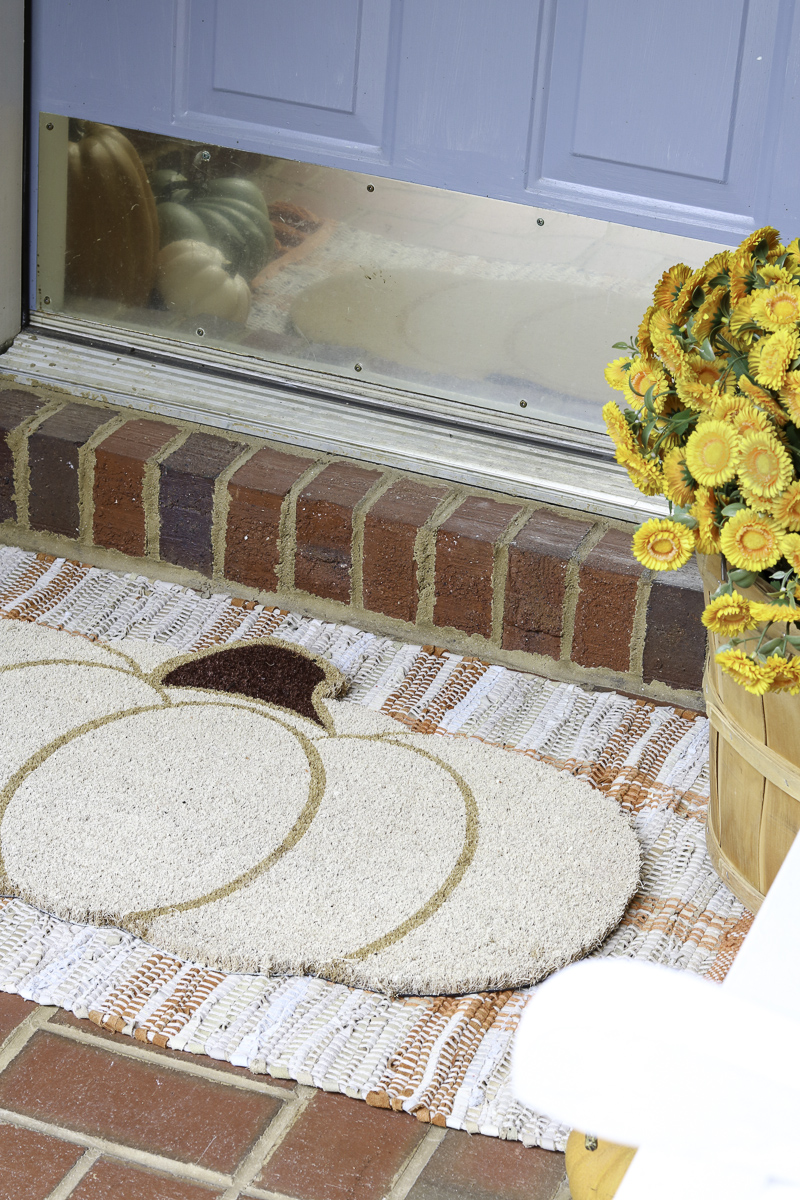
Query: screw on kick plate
523, 403
590, 1142
370, 187
540, 220
357, 367
200, 332
49, 125
46, 300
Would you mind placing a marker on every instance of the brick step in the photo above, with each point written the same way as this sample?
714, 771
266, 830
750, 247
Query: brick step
508, 580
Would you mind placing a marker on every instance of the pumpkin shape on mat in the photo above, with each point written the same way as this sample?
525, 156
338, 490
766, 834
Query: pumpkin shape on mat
195, 281
112, 226
229, 808
595, 1174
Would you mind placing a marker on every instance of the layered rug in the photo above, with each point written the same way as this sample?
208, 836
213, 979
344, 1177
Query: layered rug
194, 939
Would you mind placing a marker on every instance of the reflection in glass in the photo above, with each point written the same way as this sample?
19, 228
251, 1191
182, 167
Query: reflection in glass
429, 291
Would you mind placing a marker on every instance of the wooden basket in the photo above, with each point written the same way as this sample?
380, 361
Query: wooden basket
754, 812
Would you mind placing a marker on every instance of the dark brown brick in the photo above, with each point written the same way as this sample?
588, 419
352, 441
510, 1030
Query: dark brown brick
341, 1149
119, 464
186, 499
53, 451
465, 561
138, 1104
533, 617
15, 407
324, 529
31, 1164
675, 643
485, 1168
113, 1180
62, 1017
390, 531
257, 491
13, 1009
606, 605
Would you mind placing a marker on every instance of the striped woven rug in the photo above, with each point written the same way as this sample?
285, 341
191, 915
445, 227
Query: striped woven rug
445, 1059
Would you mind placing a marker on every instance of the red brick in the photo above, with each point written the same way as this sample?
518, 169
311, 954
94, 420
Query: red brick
15, 407
533, 617
675, 643
138, 1104
465, 561
62, 1017
120, 461
390, 531
31, 1164
484, 1168
257, 492
13, 1009
340, 1149
604, 615
110, 1179
324, 529
186, 499
53, 454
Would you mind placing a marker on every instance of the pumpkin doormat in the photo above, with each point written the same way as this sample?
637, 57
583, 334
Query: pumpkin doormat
227, 807
446, 1059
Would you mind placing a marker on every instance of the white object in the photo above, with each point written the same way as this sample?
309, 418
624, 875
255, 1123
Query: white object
729, 1056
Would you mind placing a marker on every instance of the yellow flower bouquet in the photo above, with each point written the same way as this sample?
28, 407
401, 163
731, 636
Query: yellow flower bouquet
712, 384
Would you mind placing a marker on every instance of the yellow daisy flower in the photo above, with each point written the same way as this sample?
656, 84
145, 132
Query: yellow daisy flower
783, 674
767, 235
683, 300
790, 545
709, 313
728, 405
669, 350
617, 427
616, 373
712, 453
678, 483
751, 541
790, 395
663, 545
742, 316
764, 466
749, 419
670, 284
774, 613
762, 398
776, 307
728, 614
769, 359
774, 274
704, 511
786, 507
744, 671
639, 380
645, 475
719, 264
742, 275
644, 341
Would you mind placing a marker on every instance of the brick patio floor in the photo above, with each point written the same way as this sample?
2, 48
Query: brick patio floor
92, 1115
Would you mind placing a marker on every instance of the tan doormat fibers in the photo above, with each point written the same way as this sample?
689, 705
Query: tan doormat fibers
444, 1059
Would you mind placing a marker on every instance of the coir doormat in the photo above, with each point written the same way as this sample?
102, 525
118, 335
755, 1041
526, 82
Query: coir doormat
445, 1059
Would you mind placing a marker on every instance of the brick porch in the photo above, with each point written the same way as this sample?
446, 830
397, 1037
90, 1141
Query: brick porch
492, 576
89, 1114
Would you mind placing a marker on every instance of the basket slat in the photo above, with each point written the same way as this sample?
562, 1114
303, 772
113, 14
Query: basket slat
754, 812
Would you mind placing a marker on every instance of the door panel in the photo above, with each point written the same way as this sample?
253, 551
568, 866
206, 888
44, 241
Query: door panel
666, 109
275, 70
